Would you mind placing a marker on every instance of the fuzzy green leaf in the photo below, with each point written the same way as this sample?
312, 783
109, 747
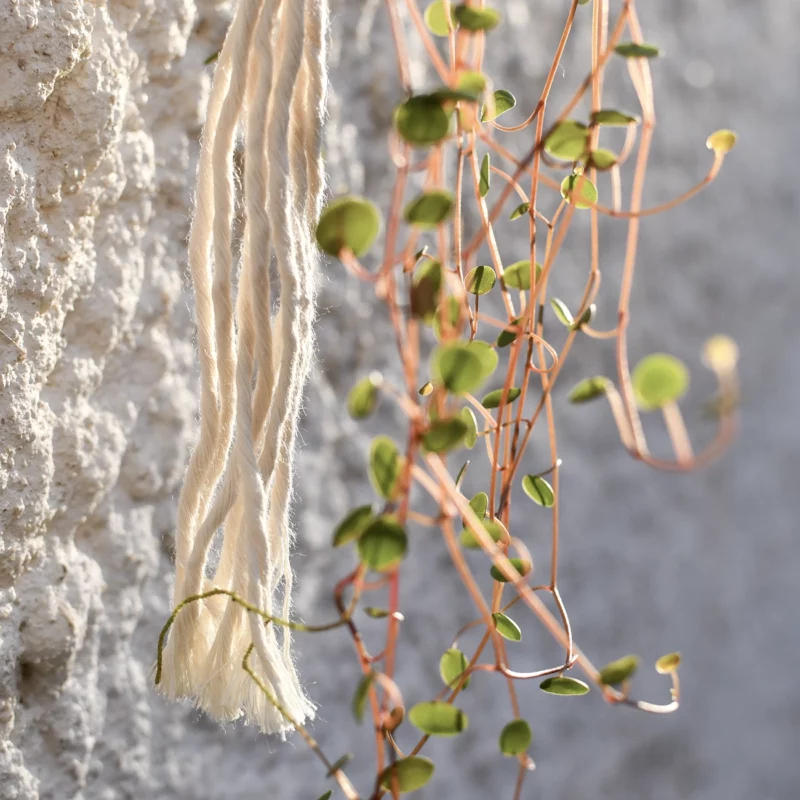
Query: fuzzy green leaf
407, 774
348, 222
471, 436
518, 275
477, 19
429, 209
567, 141
503, 101
589, 389
520, 564
363, 396
359, 703
636, 50
619, 671
445, 435
352, 526
659, 379
496, 530
422, 120
383, 544
384, 466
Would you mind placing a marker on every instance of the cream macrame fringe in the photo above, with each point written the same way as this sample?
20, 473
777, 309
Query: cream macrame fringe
271, 78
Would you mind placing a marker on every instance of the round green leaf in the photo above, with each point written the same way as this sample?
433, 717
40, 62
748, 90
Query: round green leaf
722, 141
353, 525
585, 318
348, 222
451, 666
359, 703
539, 490
503, 101
611, 117
459, 367
619, 671
453, 311
603, 159
436, 19
658, 380
589, 389
564, 686
479, 504
477, 19
507, 337
520, 211
520, 564
486, 354
637, 50
668, 663
562, 312
383, 544
426, 290
496, 530
579, 190
567, 141
363, 396
407, 774
486, 176
480, 280
445, 435
438, 719
515, 738
429, 209
422, 121
493, 399
518, 275
471, 436
506, 627
384, 466
471, 81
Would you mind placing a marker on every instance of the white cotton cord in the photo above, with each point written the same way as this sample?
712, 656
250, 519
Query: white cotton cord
273, 76
197, 487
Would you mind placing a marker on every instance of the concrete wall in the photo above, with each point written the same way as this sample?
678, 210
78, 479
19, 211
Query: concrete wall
100, 107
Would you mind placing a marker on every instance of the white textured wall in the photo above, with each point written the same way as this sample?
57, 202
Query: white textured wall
100, 107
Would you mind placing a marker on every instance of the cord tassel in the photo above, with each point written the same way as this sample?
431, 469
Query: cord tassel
272, 78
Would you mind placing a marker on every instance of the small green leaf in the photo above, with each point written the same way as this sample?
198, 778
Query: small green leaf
459, 366
567, 141
407, 774
480, 280
562, 312
326, 796
613, 118
360, 697
589, 389
212, 58
520, 211
564, 686
584, 2
493, 399
486, 176
384, 466
506, 627
436, 19
518, 275
477, 19
496, 530
658, 380
339, 763
668, 664
520, 564
445, 435
503, 101
461, 473
721, 142
471, 81
619, 671
426, 389
539, 490
422, 120
426, 290
429, 209
486, 354
579, 190
446, 94
363, 396
353, 525
452, 665
438, 719
383, 544
348, 222
585, 318
453, 312
603, 159
479, 504
376, 613
515, 738
637, 50
471, 436
507, 337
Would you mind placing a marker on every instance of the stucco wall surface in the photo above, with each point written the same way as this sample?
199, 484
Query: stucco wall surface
101, 104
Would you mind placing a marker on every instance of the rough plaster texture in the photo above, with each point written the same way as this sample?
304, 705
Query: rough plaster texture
100, 108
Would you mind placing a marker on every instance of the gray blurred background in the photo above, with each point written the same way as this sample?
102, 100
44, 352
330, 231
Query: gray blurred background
706, 563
